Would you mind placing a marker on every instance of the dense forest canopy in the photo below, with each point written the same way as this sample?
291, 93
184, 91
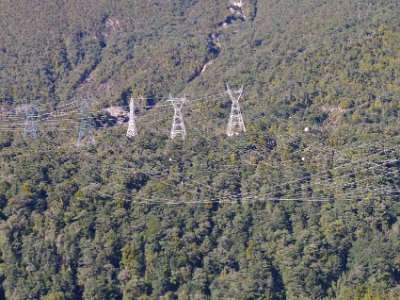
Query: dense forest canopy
303, 205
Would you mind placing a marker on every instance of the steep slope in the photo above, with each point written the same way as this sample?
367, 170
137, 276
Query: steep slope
304, 205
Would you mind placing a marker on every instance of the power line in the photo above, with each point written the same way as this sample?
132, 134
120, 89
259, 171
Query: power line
252, 198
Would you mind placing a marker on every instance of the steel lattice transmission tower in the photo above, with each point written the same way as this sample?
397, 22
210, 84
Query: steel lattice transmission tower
132, 132
30, 126
178, 126
85, 136
235, 124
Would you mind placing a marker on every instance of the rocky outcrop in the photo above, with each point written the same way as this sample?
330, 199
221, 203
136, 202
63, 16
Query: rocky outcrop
110, 26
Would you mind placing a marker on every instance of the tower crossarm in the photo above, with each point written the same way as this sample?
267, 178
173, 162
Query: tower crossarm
235, 123
178, 126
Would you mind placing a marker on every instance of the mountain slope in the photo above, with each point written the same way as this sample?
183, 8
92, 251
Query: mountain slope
304, 205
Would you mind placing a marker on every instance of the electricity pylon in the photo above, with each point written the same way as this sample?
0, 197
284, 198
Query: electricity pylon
235, 124
178, 126
30, 126
85, 136
132, 132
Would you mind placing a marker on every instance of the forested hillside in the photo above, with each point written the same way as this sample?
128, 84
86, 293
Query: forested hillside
303, 205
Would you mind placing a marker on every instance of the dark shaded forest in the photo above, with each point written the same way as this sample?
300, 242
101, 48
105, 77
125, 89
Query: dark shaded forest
304, 205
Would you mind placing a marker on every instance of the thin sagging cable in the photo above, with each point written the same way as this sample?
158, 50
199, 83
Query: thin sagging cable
166, 201
318, 174
239, 195
278, 199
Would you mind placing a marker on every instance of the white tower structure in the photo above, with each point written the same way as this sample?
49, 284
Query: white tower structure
132, 132
235, 124
178, 126
30, 126
85, 136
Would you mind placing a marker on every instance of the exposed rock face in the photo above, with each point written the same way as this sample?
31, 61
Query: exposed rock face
111, 26
208, 64
237, 3
235, 8
118, 112
6, 109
